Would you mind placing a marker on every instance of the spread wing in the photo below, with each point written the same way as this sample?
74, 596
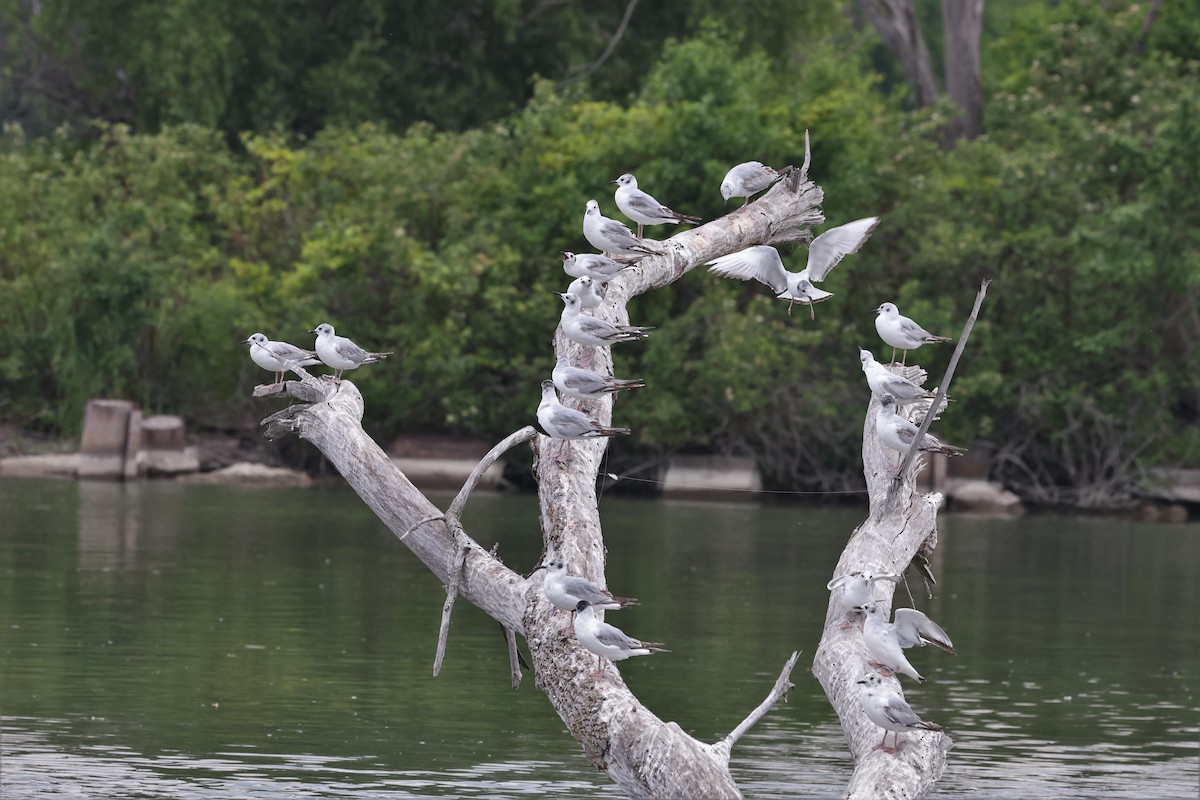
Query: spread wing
834, 244
914, 629
761, 263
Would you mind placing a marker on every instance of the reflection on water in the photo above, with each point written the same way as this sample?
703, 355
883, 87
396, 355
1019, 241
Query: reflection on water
161, 640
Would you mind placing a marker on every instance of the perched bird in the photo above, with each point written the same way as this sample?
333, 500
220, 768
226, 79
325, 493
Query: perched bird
885, 382
607, 641
901, 332
857, 589
886, 641
565, 591
583, 384
763, 264
644, 209
592, 331
898, 433
608, 235
747, 179
887, 709
278, 357
341, 353
590, 293
593, 265
561, 422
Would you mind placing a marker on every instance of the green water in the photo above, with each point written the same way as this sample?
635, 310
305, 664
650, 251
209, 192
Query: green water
170, 641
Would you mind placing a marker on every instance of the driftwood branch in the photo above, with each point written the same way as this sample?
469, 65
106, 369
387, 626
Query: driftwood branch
644, 755
940, 398
783, 684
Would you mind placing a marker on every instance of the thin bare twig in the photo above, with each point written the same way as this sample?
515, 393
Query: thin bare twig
509, 442
941, 393
514, 657
780, 690
612, 43
456, 568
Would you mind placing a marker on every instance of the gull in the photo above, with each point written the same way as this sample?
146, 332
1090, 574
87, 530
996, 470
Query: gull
901, 332
341, 353
886, 641
590, 293
278, 357
763, 264
746, 179
565, 591
560, 422
644, 209
593, 265
857, 589
592, 331
607, 641
885, 382
898, 433
887, 709
608, 235
583, 384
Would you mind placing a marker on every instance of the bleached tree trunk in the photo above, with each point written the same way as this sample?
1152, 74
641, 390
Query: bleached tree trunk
962, 23
644, 755
897, 529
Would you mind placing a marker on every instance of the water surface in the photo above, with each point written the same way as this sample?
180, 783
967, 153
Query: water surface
163, 640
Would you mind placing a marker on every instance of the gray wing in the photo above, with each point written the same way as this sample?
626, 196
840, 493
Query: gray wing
902, 388
615, 637
570, 421
614, 230
900, 712
914, 629
754, 175
583, 380
598, 327
348, 349
914, 330
761, 263
585, 590
834, 244
643, 203
292, 353
842, 581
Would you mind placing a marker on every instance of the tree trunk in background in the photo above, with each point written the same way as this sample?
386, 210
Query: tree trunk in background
897, 25
962, 22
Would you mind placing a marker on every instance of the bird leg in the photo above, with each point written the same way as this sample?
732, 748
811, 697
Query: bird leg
790, 304
812, 312
883, 743
640, 227
893, 358
886, 672
904, 361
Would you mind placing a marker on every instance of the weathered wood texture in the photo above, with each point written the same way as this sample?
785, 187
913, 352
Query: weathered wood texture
895, 531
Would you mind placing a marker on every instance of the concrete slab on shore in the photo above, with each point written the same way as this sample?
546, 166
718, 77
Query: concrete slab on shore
49, 465
723, 478
447, 474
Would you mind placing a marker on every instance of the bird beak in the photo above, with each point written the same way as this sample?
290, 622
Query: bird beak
862, 682
245, 341
535, 569
314, 330
616, 181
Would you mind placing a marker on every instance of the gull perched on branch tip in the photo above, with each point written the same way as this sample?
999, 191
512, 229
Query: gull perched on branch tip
885, 382
584, 384
746, 179
278, 357
901, 332
341, 353
857, 589
609, 236
560, 422
763, 264
886, 641
887, 709
898, 433
606, 641
592, 331
644, 209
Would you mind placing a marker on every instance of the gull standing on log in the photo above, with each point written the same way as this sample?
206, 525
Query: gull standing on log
278, 357
584, 384
560, 422
608, 235
763, 264
898, 433
607, 641
590, 293
857, 589
887, 709
593, 265
341, 353
901, 332
885, 382
592, 331
644, 209
747, 179
886, 641
565, 591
